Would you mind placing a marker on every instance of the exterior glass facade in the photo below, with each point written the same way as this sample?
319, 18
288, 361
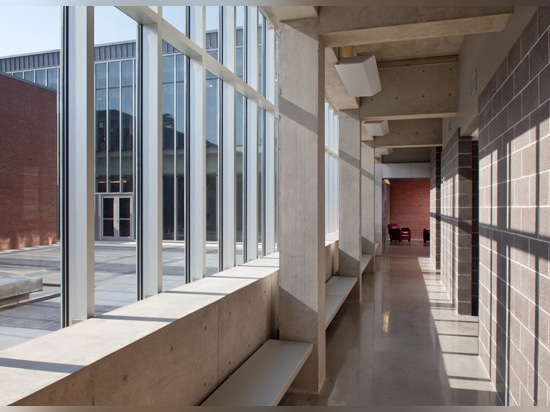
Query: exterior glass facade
238, 115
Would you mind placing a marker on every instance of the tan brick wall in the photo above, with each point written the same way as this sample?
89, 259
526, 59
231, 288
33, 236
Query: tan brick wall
514, 220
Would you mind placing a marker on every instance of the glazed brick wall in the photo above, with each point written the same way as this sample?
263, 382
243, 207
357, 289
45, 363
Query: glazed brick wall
475, 228
456, 221
410, 204
28, 162
435, 206
514, 219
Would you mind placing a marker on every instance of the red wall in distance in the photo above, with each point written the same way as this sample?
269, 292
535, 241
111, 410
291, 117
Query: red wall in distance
28, 164
410, 204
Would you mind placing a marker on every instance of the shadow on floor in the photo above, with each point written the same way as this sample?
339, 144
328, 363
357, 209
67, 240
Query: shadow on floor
403, 345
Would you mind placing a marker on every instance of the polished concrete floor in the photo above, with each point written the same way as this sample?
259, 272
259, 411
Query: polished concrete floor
403, 345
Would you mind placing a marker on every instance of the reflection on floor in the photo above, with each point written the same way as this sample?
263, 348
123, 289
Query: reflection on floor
403, 345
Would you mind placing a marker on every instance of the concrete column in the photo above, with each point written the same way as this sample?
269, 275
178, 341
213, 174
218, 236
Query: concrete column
302, 203
368, 201
349, 194
79, 239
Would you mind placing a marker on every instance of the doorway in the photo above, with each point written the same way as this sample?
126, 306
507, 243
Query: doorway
115, 217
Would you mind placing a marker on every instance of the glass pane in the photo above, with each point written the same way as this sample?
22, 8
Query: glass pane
40, 77
108, 207
181, 209
176, 16
101, 76
173, 111
53, 75
124, 211
168, 209
124, 227
127, 73
239, 40
113, 138
115, 37
29, 76
108, 227
212, 152
29, 223
114, 74
240, 129
213, 31
261, 54
261, 186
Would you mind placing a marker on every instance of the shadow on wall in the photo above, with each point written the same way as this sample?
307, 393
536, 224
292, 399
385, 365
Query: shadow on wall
514, 230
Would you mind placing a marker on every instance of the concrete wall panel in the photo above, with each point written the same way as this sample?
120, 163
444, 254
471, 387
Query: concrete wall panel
238, 339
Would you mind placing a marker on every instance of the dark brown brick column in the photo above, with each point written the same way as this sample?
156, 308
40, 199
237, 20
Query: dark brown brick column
435, 207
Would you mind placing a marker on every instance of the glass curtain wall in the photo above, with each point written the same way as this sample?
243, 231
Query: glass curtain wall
212, 142
29, 225
115, 127
115, 86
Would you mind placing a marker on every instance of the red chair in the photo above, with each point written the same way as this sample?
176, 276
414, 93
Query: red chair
399, 234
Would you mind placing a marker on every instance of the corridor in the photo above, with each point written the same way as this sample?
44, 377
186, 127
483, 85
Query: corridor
404, 345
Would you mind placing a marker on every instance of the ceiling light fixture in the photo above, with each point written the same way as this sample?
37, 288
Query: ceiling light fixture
379, 128
359, 75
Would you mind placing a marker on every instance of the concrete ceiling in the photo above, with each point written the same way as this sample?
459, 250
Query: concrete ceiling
416, 49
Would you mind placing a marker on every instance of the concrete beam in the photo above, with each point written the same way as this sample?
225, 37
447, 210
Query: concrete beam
345, 26
279, 14
411, 133
413, 92
413, 49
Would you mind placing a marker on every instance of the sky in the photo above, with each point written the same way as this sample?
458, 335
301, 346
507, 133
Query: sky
31, 29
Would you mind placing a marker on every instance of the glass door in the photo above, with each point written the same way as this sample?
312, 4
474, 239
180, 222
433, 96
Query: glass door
116, 217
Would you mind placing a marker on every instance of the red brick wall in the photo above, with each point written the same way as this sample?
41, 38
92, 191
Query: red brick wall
28, 164
410, 204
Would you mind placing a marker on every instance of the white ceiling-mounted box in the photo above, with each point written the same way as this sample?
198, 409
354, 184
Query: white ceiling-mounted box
377, 128
359, 75
383, 151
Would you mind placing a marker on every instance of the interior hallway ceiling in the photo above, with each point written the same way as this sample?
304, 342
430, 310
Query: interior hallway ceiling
417, 50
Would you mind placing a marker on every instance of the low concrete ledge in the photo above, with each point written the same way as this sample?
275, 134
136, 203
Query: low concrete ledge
14, 289
171, 349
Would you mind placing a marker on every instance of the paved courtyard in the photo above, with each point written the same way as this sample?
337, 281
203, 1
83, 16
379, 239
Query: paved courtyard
115, 281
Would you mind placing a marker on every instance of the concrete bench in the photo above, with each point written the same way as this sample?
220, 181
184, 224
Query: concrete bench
365, 260
14, 289
264, 378
337, 290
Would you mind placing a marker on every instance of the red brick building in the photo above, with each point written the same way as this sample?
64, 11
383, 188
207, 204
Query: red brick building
410, 204
28, 164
